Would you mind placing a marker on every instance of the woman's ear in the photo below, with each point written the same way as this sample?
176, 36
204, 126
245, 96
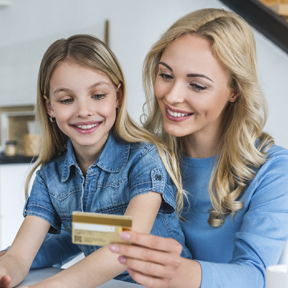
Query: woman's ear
48, 106
235, 94
119, 94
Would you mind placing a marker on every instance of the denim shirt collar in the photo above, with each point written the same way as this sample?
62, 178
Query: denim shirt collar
113, 157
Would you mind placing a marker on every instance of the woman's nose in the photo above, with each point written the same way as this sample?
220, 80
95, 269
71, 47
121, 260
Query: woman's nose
175, 94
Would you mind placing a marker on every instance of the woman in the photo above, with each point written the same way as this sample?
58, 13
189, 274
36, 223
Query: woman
208, 106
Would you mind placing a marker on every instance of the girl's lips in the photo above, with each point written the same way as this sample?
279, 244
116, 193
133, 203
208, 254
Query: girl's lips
86, 123
85, 129
177, 118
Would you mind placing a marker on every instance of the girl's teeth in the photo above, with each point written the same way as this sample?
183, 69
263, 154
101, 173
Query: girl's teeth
177, 114
86, 127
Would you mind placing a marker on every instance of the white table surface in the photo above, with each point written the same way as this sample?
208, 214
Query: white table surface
38, 275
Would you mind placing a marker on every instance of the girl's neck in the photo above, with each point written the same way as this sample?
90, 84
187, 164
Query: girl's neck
86, 158
201, 146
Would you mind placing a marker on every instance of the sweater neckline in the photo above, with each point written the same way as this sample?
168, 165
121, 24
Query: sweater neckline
199, 161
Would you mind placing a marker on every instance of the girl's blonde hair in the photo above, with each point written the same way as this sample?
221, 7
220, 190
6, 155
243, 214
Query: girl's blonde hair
90, 52
233, 44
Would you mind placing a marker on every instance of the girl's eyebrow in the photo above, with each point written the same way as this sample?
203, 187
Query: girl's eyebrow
98, 84
62, 89
188, 75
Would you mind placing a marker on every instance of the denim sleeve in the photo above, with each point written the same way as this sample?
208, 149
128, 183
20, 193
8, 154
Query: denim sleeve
39, 204
149, 174
56, 250
263, 233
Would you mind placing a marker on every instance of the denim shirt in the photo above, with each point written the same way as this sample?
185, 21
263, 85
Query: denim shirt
122, 171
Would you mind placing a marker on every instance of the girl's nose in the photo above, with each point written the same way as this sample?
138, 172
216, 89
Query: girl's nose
84, 109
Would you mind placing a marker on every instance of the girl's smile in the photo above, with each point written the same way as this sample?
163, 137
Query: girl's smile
86, 127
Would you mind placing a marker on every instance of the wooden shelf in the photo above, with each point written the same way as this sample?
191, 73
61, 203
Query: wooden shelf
261, 17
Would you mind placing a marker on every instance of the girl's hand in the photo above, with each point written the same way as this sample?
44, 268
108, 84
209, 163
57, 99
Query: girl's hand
151, 261
5, 281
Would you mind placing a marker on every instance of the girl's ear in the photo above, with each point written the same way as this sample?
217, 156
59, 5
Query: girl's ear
48, 106
119, 94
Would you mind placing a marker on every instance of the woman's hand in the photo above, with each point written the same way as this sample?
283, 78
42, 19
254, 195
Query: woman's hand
151, 261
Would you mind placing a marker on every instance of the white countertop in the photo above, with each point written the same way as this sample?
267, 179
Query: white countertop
38, 275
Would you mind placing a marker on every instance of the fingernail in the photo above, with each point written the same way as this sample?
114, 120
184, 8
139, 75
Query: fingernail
122, 259
114, 248
129, 270
124, 235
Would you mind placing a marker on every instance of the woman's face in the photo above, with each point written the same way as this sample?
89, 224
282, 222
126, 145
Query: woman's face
192, 88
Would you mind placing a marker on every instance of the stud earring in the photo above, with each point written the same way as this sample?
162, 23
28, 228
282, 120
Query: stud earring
52, 119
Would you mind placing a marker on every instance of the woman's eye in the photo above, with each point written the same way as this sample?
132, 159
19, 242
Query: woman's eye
165, 76
98, 96
66, 101
198, 87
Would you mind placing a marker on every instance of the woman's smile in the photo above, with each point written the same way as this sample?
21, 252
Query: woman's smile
176, 114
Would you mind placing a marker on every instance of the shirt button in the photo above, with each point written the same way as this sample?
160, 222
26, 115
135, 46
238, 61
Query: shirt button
158, 177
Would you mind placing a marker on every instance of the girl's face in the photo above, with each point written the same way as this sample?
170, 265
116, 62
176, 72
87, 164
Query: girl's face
192, 88
83, 102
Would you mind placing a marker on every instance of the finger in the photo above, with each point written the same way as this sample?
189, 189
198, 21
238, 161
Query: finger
148, 281
150, 269
5, 281
149, 255
152, 241
2, 253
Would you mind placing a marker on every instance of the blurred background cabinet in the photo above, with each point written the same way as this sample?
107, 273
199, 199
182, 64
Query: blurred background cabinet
12, 200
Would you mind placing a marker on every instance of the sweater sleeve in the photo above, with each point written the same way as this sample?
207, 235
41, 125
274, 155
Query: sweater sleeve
263, 234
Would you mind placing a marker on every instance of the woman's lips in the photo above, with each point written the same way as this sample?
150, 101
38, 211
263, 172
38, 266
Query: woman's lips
177, 115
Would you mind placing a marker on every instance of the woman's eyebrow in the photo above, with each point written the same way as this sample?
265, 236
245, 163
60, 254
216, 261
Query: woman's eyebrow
188, 75
199, 75
167, 66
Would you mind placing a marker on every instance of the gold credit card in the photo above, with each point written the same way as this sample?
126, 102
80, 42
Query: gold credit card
98, 229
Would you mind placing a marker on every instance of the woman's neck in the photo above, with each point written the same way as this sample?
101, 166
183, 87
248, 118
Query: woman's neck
199, 145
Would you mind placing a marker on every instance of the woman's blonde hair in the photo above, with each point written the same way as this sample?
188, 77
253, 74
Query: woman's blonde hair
90, 52
243, 144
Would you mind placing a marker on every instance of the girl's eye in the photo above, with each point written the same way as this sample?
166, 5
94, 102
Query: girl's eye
98, 96
66, 101
165, 76
198, 87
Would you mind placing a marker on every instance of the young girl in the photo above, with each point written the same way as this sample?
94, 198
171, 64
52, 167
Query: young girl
94, 159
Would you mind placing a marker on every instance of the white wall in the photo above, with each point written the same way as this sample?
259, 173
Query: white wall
134, 26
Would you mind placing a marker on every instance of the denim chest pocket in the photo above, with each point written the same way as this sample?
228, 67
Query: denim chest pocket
96, 195
111, 196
